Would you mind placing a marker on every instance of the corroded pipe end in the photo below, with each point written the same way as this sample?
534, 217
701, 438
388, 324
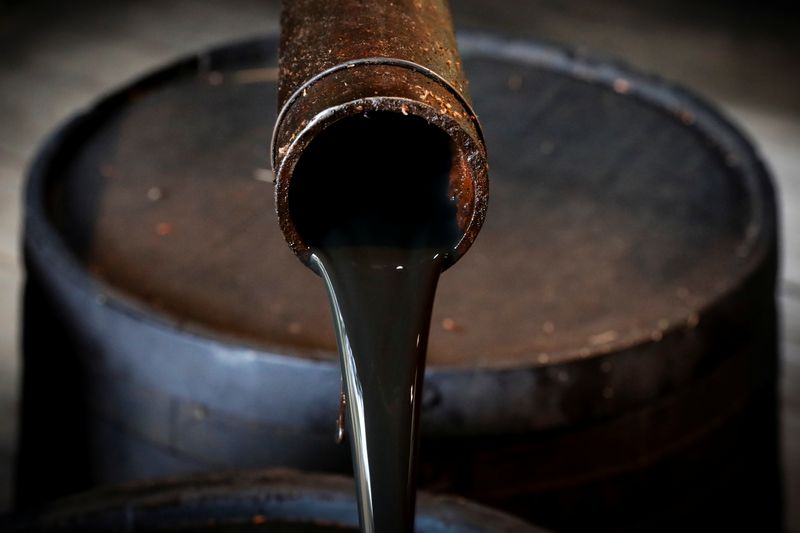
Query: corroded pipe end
383, 85
347, 58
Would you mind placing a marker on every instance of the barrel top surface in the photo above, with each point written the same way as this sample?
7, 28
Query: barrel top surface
620, 208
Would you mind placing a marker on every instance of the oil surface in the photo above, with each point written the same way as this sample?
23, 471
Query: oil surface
371, 198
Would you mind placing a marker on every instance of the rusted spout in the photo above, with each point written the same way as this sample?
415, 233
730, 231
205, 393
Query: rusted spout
354, 58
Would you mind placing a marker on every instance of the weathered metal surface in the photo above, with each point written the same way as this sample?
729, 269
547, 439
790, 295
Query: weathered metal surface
346, 58
621, 353
272, 500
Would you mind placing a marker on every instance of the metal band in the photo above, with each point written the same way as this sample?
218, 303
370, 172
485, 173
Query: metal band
385, 61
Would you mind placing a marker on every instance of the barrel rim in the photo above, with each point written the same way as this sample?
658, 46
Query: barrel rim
43, 242
232, 497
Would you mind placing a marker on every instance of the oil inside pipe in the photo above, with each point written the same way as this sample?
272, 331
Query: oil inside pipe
371, 196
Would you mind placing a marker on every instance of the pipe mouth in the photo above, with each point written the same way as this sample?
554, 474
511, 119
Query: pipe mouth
462, 110
382, 171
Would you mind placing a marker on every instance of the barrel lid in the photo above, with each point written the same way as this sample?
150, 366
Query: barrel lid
621, 209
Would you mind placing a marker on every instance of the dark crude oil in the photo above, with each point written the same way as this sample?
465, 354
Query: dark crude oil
371, 197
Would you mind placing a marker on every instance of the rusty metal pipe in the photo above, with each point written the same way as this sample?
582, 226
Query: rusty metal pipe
349, 57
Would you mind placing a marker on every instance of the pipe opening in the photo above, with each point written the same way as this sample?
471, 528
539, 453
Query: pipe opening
379, 178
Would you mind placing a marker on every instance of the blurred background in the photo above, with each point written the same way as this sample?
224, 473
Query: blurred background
743, 56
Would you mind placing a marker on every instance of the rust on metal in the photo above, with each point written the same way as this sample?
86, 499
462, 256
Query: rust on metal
346, 58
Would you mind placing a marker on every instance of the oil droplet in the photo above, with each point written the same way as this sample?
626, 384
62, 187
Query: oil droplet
264, 174
514, 82
108, 171
686, 117
603, 338
199, 413
163, 229
340, 420
450, 325
622, 86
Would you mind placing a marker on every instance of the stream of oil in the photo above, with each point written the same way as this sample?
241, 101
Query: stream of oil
381, 302
371, 196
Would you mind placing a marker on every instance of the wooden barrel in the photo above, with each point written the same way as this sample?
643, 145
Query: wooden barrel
279, 501
604, 357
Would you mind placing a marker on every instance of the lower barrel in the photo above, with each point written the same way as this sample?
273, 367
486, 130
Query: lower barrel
604, 357
279, 501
